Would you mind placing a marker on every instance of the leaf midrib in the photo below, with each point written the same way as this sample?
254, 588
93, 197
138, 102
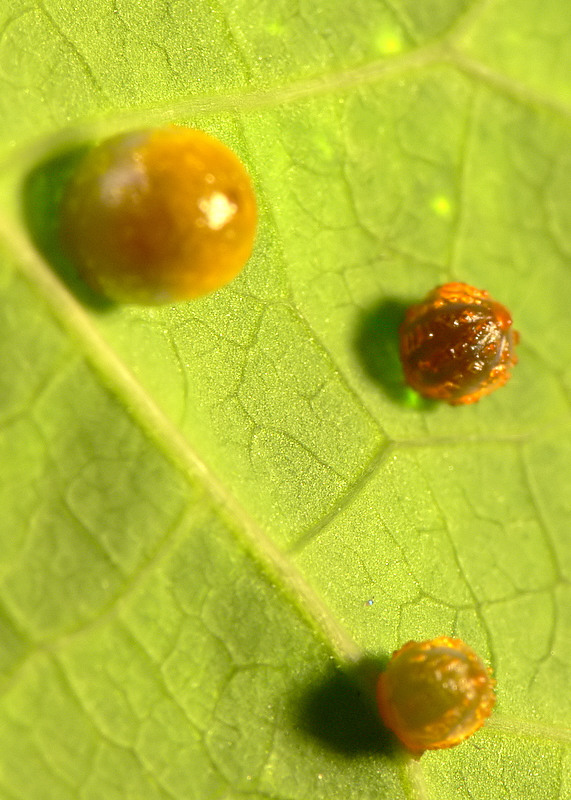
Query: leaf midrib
169, 441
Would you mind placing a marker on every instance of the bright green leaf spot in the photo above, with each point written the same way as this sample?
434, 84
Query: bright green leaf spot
441, 205
390, 42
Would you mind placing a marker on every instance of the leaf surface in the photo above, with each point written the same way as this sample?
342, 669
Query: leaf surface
218, 518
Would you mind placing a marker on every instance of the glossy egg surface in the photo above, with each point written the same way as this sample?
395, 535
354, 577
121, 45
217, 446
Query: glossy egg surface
158, 216
434, 694
457, 345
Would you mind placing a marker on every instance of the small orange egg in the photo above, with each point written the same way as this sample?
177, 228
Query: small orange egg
457, 344
435, 694
158, 216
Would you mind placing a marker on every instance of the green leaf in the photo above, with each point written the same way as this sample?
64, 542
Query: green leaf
219, 518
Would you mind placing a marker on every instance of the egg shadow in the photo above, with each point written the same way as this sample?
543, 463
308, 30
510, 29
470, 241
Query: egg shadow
377, 345
42, 194
339, 711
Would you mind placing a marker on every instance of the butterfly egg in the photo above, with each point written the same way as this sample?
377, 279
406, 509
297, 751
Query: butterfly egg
457, 345
159, 215
434, 694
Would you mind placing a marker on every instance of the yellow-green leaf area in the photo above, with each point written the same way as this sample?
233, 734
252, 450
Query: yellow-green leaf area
220, 517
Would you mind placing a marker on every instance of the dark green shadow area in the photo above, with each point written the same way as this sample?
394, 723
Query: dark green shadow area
42, 194
377, 345
339, 711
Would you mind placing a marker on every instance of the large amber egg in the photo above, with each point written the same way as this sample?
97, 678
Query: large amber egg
159, 215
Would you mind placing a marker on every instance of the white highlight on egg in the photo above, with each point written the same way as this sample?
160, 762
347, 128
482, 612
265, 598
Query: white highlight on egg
217, 209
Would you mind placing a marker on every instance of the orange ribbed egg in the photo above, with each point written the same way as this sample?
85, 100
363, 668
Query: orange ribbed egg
434, 694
